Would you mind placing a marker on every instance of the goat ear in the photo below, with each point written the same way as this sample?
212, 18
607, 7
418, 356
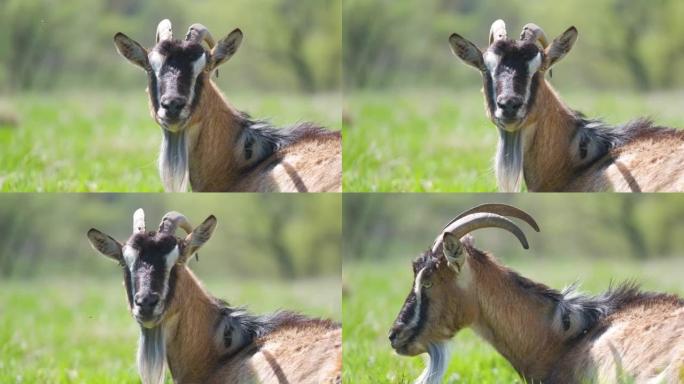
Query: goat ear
105, 244
559, 47
226, 48
131, 50
199, 236
453, 251
466, 51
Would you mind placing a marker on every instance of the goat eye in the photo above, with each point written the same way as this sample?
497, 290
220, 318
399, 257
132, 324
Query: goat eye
427, 284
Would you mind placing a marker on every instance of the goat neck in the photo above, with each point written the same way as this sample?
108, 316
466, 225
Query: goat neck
214, 131
547, 136
514, 319
189, 330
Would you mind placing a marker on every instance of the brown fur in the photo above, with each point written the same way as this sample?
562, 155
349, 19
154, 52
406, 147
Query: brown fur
650, 162
644, 332
297, 352
313, 163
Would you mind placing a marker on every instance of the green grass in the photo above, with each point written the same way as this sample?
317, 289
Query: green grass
78, 330
441, 141
376, 291
107, 141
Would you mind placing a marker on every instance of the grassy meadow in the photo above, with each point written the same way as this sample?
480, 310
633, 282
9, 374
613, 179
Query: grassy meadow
107, 142
441, 141
376, 291
78, 330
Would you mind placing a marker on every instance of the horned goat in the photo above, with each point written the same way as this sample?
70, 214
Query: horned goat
201, 338
208, 143
548, 336
551, 146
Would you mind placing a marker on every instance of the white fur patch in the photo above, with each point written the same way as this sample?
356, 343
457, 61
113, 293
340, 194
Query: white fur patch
417, 292
130, 255
534, 64
156, 61
491, 60
172, 258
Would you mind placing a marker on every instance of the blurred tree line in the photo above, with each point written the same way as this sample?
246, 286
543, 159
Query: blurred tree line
622, 43
271, 236
378, 226
55, 44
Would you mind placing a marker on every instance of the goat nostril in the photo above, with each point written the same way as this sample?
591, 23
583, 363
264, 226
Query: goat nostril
393, 335
509, 104
173, 104
148, 301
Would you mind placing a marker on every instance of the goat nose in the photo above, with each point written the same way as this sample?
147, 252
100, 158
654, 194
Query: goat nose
393, 335
173, 104
146, 302
509, 104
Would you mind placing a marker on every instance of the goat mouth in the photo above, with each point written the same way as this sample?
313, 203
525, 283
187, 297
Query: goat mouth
509, 124
171, 125
406, 347
174, 123
150, 321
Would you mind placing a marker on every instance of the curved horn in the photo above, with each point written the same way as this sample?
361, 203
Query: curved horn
500, 209
172, 220
164, 31
483, 216
198, 33
534, 33
139, 221
497, 31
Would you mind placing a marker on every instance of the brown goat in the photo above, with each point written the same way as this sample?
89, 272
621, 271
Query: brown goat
201, 338
210, 144
548, 336
554, 147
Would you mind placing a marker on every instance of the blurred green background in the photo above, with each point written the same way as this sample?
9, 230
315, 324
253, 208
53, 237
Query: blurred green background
74, 114
63, 310
414, 116
596, 239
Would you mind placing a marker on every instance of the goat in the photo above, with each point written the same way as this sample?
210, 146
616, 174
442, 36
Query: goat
209, 143
202, 338
554, 147
548, 336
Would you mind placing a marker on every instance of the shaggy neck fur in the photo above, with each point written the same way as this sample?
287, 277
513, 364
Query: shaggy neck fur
200, 333
558, 143
217, 147
532, 325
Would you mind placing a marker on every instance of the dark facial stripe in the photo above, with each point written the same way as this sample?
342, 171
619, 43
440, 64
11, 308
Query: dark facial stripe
129, 288
489, 91
409, 308
152, 87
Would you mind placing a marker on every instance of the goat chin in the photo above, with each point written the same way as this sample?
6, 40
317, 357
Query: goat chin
438, 358
173, 161
509, 161
151, 355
